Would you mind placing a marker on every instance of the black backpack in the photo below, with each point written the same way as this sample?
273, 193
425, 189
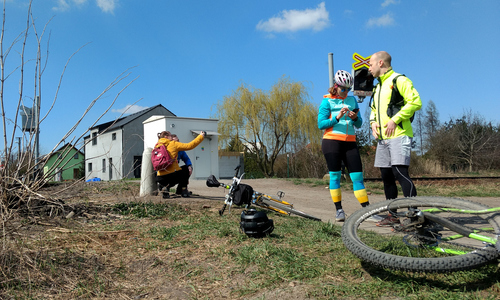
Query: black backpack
242, 194
396, 102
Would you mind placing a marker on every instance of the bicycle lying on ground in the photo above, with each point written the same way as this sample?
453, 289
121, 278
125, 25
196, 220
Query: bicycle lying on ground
255, 198
433, 234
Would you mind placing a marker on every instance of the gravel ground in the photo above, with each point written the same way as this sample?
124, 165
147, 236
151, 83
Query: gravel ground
315, 201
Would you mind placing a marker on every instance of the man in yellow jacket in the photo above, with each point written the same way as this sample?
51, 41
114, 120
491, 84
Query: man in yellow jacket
174, 174
392, 128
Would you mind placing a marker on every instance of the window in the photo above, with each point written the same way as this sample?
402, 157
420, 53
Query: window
94, 138
89, 167
104, 165
76, 156
113, 136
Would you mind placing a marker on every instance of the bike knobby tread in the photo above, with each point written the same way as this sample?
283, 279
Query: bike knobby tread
444, 264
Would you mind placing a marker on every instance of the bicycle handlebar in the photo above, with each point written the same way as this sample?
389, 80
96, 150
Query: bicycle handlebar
237, 170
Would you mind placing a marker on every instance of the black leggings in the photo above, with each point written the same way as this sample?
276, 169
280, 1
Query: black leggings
181, 178
389, 176
336, 152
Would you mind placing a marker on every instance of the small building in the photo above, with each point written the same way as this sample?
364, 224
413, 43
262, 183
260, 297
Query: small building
66, 163
204, 157
114, 149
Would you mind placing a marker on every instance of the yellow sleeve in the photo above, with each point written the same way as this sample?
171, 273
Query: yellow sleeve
188, 146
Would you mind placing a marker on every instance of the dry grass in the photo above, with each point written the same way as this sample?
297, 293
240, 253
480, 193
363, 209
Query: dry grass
117, 247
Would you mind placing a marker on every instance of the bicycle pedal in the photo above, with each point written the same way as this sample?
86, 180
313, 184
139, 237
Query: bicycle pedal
400, 228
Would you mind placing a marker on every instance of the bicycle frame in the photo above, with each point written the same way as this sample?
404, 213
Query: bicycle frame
257, 200
229, 196
461, 230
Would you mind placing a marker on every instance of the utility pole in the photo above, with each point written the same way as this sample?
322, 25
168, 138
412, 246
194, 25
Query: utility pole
37, 129
330, 67
18, 149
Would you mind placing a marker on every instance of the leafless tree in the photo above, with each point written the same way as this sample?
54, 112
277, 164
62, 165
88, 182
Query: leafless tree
475, 139
21, 176
470, 143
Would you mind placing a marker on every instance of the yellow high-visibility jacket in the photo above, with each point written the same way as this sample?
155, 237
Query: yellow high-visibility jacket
381, 97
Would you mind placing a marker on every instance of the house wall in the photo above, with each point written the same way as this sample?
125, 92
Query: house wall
67, 164
204, 157
133, 141
105, 149
228, 161
118, 154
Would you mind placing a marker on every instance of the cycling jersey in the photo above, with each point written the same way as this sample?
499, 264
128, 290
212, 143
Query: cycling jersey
343, 129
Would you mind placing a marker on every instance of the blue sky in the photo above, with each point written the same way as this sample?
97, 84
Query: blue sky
187, 55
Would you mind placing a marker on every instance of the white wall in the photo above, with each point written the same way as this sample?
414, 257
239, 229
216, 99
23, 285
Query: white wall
106, 148
228, 161
204, 157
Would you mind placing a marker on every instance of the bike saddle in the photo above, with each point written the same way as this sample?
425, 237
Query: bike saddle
212, 181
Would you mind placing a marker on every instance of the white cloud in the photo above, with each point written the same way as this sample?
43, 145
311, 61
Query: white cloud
389, 2
383, 21
129, 109
294, 20
62, 5
107, 6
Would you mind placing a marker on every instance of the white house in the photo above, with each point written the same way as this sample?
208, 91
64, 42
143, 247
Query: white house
113, 150
205, 157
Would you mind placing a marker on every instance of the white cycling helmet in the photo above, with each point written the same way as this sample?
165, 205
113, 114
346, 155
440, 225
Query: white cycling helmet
343, 78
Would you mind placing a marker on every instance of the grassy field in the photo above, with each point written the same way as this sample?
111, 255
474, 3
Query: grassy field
147, 250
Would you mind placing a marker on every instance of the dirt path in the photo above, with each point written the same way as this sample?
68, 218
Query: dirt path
315, 201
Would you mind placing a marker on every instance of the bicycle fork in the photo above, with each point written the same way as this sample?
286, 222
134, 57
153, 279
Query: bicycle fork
221, 211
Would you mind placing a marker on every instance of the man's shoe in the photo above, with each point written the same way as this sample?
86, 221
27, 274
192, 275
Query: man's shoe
185, 193
165, 195
374, 218
388, 221
340, 216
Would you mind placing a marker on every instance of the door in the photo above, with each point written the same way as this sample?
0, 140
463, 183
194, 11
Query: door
201, 159
110, 169
137, 166
58, 176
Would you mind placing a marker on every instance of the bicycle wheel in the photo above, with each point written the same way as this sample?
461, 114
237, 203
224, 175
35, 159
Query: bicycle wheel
422, 247
268, 201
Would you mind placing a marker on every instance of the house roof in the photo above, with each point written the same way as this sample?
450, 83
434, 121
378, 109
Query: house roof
63, 147
119, 123
66, 146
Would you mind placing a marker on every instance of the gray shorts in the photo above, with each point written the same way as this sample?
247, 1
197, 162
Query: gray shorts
393, 152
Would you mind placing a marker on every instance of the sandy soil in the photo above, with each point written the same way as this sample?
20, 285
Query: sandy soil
315, 201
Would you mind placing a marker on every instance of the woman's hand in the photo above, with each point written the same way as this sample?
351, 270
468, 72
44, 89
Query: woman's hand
342, 112
353, 115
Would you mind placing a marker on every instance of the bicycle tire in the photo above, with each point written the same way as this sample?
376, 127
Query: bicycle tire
273, 203
395, 252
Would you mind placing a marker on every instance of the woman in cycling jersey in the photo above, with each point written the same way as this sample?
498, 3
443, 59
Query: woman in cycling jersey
338, 115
